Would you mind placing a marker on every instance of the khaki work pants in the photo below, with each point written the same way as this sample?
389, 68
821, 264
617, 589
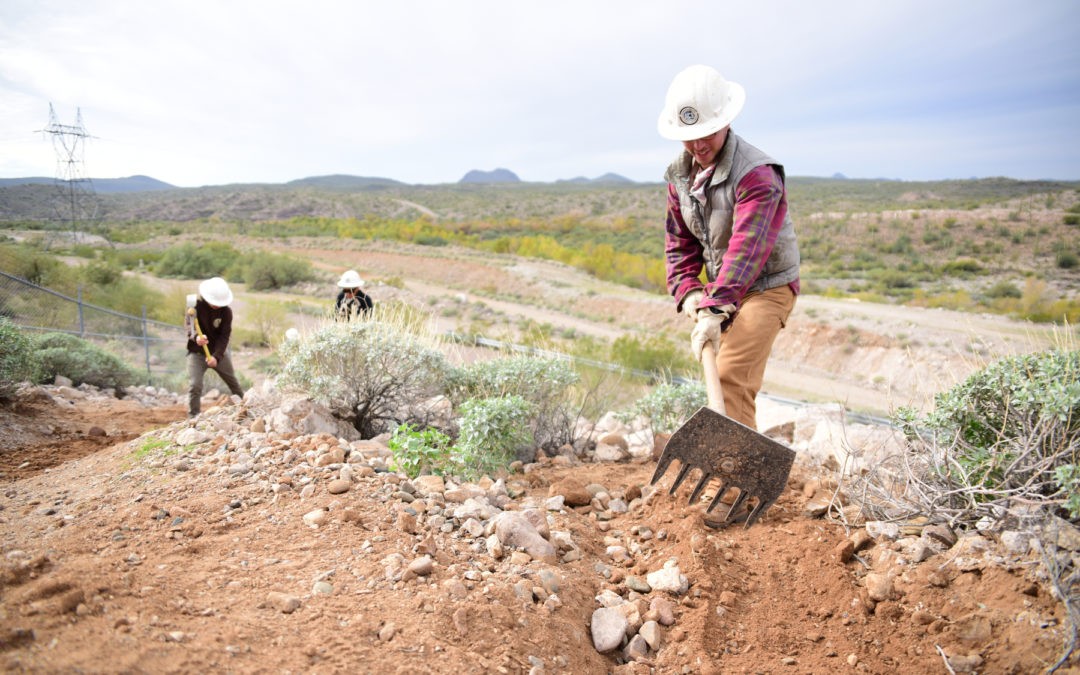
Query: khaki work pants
746, 347
196, 364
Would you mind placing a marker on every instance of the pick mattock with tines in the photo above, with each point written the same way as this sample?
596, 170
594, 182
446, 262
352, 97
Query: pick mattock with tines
732, 453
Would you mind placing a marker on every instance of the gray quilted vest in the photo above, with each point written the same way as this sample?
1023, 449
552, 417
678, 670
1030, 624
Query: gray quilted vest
711, 224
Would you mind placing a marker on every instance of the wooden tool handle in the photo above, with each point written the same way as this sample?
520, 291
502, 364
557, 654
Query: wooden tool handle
198, 331
712, 379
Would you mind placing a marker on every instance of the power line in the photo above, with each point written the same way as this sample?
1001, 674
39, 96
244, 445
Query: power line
77, 202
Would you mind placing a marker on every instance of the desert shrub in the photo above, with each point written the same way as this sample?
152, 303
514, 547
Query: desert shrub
1003, 289
1071, 219
654, 354
263, 321
667, 406
18, 363
1010, 430
962, 267
367, 372
263, 271
1066, 260
545, 382
493, 433
82, 362
202, 261
417, 451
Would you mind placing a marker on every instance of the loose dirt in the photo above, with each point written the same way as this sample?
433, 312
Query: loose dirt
124, 560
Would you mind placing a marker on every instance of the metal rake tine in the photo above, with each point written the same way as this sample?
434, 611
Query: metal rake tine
736, 504
661, 468
683, 471
705, 476
759, 511
716, 498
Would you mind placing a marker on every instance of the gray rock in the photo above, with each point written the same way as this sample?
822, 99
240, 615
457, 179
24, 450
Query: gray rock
608, 628
514, 529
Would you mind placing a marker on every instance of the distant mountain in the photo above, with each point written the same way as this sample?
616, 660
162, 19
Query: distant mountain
100, 185
606, 179
496, 176
344, 182
8, 182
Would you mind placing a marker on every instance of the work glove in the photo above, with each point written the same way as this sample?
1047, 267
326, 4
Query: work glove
690, 303
709, 328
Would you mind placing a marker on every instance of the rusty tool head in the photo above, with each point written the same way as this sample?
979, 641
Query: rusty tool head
738, 457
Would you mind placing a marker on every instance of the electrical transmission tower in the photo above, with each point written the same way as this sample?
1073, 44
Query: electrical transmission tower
77, 203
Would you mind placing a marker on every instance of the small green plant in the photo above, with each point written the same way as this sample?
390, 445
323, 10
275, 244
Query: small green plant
417, 452
493, 433
545, 382
148, 447
667, 406
1068, 477
17, 360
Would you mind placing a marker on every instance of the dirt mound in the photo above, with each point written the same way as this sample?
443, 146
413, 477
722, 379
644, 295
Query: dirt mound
216, 554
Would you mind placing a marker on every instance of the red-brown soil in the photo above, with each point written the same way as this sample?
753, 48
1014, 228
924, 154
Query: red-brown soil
120, 560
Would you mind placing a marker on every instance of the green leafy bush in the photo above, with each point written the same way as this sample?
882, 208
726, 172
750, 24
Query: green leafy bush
417, 452
367, 372
263, 271
82, 362
493, 433
18, 363
202, 261
545, 382
668, 405
1011, 429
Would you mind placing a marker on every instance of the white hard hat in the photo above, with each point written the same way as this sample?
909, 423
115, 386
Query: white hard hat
350, 280
216, 292
699, 102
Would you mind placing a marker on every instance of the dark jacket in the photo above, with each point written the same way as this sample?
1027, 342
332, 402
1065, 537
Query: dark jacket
347, 308
216, 325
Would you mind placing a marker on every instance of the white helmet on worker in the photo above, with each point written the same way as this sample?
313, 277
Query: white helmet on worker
699, 102
350, 280
216, 292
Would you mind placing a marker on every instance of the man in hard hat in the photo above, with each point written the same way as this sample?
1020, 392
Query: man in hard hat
727, 213
209, 327
351, 301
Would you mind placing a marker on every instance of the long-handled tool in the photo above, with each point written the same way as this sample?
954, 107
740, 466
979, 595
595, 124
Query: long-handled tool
719, 447
191, 300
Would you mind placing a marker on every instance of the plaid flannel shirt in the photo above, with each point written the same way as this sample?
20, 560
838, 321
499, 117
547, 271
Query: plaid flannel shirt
760, 208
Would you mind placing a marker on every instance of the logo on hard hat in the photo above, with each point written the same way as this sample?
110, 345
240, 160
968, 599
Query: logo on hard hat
688, 115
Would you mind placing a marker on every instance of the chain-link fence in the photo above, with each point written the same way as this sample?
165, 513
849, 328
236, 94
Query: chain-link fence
145, 344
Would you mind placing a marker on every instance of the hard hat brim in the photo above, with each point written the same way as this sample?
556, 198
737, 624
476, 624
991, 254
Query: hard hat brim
671, 128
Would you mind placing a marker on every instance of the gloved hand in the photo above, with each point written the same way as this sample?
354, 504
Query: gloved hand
709, 328
690, 303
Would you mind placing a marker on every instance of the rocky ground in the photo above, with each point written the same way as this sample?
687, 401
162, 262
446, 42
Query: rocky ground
261, 539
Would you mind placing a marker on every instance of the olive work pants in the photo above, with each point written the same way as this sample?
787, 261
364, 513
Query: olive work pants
196, 367
746, 347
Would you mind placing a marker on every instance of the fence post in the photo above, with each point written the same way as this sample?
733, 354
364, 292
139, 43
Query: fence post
82, 323
146, 344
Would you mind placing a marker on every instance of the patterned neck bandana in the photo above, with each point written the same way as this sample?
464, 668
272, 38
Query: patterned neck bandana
701, 181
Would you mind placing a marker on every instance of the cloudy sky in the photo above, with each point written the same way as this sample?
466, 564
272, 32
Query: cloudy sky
231, 91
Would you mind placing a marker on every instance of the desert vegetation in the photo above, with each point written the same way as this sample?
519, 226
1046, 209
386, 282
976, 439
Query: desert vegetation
993, 245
